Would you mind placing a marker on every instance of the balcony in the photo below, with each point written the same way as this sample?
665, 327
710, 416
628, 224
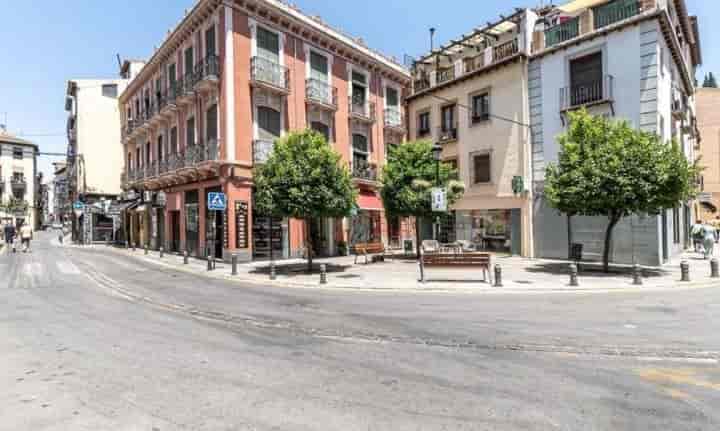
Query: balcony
505, 50
587, 94
269, 75
562, 32
186, 91
129, 128
362, 110
393, 119
169, 106
616, 11
151, 170
18, 184
421, 84
176, 161
262, 148
445, 75
365, 172
321, 94
447, 134
155, 118
207, 73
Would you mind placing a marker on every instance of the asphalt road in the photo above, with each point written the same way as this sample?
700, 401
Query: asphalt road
94, 340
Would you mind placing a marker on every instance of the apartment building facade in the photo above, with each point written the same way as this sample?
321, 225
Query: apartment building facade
18, 191
94, 154
625, 59
708, 123
229, 80
470, 96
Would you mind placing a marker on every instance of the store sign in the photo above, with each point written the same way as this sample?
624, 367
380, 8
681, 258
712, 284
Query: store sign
439, 199
241, 224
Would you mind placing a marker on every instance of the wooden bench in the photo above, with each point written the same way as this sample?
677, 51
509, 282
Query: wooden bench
368, 249
456, 260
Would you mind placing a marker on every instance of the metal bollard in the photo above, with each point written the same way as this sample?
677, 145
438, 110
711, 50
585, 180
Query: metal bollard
498, 276
147, 250
60, 238
714, 268
134, 246
186, 257
323, 274
162, 252
574, 275
637, 275
684, 271
273, 272
209, 262
234, 261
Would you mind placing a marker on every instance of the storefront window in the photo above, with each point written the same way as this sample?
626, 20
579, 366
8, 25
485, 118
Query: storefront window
487, 230
365, 227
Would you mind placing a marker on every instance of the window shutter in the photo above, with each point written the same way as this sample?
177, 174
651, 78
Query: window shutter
318, 66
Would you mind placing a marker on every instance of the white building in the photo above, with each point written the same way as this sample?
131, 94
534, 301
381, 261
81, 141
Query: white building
95, 157
627, 59
18, 167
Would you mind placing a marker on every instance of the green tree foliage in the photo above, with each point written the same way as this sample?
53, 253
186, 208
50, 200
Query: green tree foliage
407, 181
304, 178
607, 168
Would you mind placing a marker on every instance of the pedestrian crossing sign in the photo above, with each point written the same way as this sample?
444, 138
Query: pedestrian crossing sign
217, 201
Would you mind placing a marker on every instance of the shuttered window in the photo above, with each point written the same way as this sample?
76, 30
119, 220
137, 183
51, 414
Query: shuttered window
268, 123
189, 60
268, 45
318, 66
391, 97
190, 133
211, 123
481, 167
210, 42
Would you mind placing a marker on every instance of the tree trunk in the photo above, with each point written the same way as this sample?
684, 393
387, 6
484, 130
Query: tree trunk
308, 246
614, 219
417, 237
569, 235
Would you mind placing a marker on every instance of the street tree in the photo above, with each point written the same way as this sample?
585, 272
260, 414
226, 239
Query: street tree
304, 178
607, 168
407, 181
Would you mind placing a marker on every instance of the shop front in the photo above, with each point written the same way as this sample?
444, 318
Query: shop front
366, 225
486, 230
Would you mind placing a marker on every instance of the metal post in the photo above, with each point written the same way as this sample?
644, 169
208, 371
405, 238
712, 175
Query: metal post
637, 275
498, 276
147, 250
574, 275
714, 268
209, 262
186, 257
273, 273
684, 271
234, 261
323, 274
162, 252
134, 246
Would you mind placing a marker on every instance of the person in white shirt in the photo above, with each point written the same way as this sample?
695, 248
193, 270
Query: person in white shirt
26, 234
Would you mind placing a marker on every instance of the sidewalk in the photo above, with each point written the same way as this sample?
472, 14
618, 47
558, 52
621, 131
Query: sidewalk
518, 274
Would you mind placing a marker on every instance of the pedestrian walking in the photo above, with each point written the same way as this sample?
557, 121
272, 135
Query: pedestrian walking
9, 233
709, 238
26, 234
698, 235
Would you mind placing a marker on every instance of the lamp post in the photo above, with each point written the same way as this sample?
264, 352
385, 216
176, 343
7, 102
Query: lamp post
437, 155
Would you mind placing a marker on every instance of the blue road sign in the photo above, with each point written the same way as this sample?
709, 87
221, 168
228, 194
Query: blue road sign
217, 201
78, 205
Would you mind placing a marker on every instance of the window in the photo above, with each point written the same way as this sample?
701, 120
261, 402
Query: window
110, 90
321, 128
586, 80
211, 123
269, 124
360, 150
480, 108
210, 49
18, 177
268, 45
174, 140
172, 75
17, 153
129, 162
147, 154
190, 132
423, 123
138, 160
447, 119
160, 148
318, 67
359, 88
189, 60
481, 167
158, 91
453, 164
392, 100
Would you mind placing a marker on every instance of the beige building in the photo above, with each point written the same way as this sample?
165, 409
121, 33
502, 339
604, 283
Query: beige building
708, 121
18, 170
471, 97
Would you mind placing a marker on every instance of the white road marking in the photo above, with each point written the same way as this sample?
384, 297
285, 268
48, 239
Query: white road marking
679, 360
67, 267
629, 326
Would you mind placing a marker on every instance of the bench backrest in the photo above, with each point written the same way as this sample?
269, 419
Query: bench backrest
480, 259
370, 247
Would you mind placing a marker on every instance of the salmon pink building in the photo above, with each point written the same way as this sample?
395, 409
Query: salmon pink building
229, 80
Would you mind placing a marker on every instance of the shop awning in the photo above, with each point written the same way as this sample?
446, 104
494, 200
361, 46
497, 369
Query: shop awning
369, 201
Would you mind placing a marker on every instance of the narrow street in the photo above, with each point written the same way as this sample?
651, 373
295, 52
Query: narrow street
91, 340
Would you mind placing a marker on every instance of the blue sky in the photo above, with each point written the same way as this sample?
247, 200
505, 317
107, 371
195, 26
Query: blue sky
45, 42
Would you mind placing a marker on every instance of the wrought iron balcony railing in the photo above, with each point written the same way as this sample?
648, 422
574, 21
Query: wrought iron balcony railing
619, 10
591, 92
262, 148
321, 92
362, 109
208, 69
447, 133
560, 33
445, 75
393, 117
270, 73
364, 171
505, 50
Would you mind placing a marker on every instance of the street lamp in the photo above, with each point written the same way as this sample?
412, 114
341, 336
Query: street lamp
437, 155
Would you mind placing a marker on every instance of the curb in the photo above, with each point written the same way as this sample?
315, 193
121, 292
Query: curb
483, 289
